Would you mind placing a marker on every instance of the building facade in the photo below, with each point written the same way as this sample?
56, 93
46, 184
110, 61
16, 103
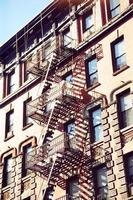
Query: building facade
66, 104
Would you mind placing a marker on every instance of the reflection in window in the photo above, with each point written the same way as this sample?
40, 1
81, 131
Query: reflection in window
101, 188
129, 172
91, 72
9, 123
118, 54
11, 82
125, 109
96, 126
114, 8
26, 150
88, 21
7, 171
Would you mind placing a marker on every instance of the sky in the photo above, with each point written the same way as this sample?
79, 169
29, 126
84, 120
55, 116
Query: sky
15, 14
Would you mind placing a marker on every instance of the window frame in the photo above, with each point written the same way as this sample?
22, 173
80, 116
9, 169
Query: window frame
68, 184
116, 67
128, 178
113, 9
85, 16
67, 75
69, 122
8, 125
119, 108
92, 126
88, 74
9, 85
66, 43
95, 180
25, 115
26, 149
7, 173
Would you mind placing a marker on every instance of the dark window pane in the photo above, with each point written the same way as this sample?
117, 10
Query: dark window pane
92, 75
69, 78
114, 7
98, 133
125, 110
95, 117
119, 55
101, 183
89, 21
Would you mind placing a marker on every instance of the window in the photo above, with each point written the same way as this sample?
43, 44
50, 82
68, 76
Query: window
73, 187
49, 192
11, 82
28, 198
114, 8
67, 38
68, 77
100, 183
91, 71
26, 150
70, 128
9, 124
88, 21
118, 53
46, 51
7, 171
26, 119
95, 124
129, 173
125, 110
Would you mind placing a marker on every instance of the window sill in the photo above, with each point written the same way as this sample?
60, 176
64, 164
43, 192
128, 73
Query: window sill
126, 129
93, 86
123, 68
6, 188
27, 126
96, 144
9, 137
26, 178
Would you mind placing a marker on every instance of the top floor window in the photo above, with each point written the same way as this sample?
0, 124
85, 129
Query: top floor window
67, 40
7, 171
125, 109
114, 8
118, 53
11, 82
88, 22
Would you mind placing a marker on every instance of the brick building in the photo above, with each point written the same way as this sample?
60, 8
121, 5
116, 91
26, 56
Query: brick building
66, 104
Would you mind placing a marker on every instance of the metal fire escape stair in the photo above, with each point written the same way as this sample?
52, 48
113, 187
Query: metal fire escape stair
67, 159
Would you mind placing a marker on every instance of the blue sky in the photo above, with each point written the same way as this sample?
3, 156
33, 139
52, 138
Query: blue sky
14, 14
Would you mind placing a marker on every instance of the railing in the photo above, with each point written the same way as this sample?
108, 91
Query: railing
102, 196
60, 89
57, 145
68, 197
130, 190
39, 105
38, 62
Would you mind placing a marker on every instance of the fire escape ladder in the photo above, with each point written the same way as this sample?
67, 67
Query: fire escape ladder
48, 180
49, 120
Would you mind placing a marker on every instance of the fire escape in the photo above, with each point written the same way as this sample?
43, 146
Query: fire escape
58, 156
